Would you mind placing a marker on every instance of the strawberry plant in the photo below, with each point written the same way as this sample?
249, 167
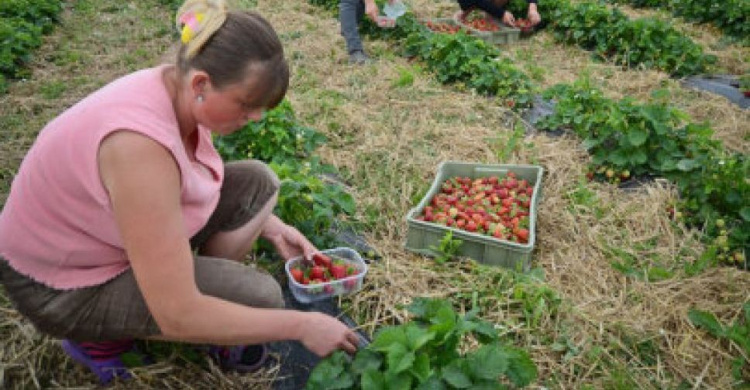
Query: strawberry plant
22, 24
745, 84
42, 13
729, 16
425, 354
626, 138
714, 194
305, 200
465, 59
457, 58
647, 42
278, 136
448, 248
309, 203
737, 333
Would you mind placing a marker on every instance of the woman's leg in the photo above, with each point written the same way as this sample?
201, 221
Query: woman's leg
116, 309
248, 197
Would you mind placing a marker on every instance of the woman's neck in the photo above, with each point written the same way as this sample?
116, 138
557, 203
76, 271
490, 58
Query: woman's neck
184, 116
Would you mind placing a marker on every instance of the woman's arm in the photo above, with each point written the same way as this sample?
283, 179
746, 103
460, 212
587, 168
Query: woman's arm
143, 182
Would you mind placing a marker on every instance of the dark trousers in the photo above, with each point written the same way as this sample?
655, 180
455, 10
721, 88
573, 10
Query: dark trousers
496, 8
350, 13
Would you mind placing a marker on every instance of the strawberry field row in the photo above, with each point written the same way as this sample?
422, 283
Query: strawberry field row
647, 139
731, 16
654, 139
644, 42
22, 24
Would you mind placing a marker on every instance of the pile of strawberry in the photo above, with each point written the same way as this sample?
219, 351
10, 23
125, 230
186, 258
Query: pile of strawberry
324, 269
483, 24
442, 27
494, 206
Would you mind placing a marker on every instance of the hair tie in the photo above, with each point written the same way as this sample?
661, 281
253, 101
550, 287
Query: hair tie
191, 25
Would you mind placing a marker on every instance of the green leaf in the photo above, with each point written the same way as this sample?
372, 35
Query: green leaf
619, 158
637, 136
639, 157
590, 143
455, 376
521, 369
745, 213
400, 381
399, 358
387, 337
366, 360
421, 368
485, 332
417, 336
488, 362
373, 380
432, 383
706, 321
331, 373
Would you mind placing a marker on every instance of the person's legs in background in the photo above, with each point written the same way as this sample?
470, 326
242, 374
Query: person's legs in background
350, 13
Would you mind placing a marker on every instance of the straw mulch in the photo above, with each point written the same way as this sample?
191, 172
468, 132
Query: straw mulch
598, 327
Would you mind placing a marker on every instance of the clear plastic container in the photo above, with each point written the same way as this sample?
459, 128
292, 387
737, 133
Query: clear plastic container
395, 10
306, 293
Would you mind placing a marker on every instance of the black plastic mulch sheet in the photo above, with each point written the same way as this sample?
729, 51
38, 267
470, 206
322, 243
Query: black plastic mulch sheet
725, 85
295, 360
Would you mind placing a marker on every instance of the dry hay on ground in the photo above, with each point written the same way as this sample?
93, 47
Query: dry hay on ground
389, 140
378, 137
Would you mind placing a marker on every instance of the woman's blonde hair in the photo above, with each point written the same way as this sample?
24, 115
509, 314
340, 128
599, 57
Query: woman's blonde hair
226, 44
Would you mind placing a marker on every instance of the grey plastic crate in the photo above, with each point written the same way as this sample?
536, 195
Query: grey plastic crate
423, 236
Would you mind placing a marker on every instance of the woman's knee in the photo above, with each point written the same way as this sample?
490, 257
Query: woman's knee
267, 294
237, 283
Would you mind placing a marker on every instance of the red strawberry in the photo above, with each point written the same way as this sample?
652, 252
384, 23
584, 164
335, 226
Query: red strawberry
297, 274
322, 260
522, 234
350, 284
338, 270
317, 272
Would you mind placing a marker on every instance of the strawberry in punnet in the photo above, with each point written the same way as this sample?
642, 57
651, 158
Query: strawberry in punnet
350, 284
297, 274
322, 260
338, 270
317, 273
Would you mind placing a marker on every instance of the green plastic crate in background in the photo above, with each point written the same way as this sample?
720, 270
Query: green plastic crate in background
422, 236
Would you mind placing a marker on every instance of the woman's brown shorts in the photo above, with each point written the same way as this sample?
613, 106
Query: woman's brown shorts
116, 309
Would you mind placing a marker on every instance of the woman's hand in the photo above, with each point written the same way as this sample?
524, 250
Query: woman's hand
287, 240
372, 11
533, 15
509, 19
323, 335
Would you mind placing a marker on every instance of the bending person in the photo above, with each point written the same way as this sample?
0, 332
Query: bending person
98, 235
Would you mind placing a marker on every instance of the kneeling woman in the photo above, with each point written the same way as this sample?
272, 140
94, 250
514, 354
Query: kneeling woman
123, 223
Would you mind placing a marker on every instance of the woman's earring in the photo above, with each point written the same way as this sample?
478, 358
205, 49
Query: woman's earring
199, 99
